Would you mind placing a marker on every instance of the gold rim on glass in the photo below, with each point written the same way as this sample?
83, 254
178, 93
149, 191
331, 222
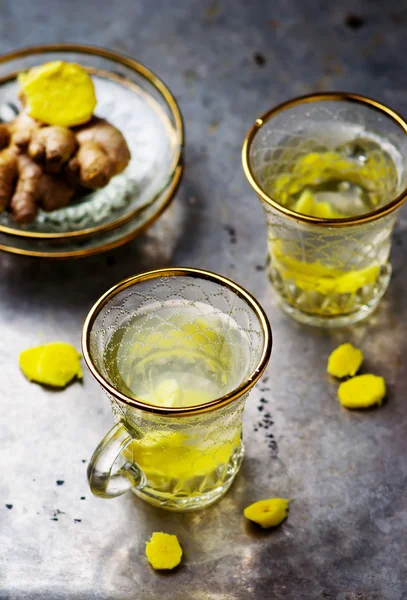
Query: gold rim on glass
239, 391
172, 190
131, 64
323, 96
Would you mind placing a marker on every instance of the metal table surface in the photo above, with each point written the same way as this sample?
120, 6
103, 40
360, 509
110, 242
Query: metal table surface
346, 535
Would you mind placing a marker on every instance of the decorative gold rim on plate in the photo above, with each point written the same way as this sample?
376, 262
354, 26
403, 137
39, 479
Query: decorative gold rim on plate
191, 410
127, 62
111, 245
323, 96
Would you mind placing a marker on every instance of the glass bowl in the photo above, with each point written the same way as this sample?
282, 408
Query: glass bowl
138, 103
80, 247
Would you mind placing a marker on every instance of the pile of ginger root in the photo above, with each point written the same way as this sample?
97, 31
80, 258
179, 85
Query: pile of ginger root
43, 166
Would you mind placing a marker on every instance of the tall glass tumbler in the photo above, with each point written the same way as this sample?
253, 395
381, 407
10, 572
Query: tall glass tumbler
177, 351
328, 269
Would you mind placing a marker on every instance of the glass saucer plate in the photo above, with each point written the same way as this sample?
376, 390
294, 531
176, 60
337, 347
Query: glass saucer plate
100, 242
133, 99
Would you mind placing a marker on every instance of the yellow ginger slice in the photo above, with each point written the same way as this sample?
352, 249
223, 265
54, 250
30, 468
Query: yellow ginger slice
362, 391
54, 364
267, 513
163, 551
345, 361
307, 205
29, 362
168, 393
319, 278
58, 93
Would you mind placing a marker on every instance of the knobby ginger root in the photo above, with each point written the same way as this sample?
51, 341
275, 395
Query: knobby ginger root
103, 153
42, 161
267, 513
55, 192
345, 361
18, 133
58, 93
89, 156
51, 172
21, 130
24, 202
52, 146
54, 364
163, 551
8, 176
4, 136
33, 188
90, 167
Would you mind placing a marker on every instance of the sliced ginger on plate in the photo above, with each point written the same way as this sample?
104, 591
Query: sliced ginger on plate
58, 93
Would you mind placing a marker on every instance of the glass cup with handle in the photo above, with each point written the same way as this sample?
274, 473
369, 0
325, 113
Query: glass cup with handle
330, 171
177, 351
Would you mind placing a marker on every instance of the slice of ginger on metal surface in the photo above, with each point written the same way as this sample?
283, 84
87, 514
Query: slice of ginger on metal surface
345, 361
29, 362
55, 364
362, 391
267, 513
163, 551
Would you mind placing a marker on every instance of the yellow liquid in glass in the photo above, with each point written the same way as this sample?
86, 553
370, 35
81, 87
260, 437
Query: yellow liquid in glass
315, 273
350, 181
178, 360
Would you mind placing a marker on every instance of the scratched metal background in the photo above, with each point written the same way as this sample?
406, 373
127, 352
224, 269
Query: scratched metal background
346, 536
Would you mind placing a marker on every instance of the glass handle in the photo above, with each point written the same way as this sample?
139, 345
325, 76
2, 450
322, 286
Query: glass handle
102, 481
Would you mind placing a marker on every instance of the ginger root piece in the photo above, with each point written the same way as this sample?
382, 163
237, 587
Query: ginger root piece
52, 146
23, 183
103, 153
267, 513
8, 176
35, 188
163, 551
54, 364
91, 167
4, 136
362, 391
58, 93
24, 202
44, 161
21, 130
55, 192
48, 175
345, 361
